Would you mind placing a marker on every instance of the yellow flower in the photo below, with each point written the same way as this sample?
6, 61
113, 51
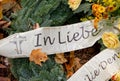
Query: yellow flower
104, 0
109, 2
110, 40
74, 4
90, 0
101, 9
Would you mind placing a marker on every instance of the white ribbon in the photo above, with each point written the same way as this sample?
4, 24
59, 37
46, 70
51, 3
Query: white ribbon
64, 39
50, 39
100, 68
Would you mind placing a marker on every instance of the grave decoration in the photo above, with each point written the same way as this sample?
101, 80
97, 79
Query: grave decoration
61, 40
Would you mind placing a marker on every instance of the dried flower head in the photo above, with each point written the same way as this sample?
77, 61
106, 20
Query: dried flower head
59, 58
37, 56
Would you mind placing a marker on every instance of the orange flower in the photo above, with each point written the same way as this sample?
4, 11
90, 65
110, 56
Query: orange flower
111, 8
96, 20
105, 15
95, 7
37, 56
98, 8
98, 15
98, 11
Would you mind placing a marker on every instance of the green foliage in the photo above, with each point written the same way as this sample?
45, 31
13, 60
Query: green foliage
60, 15
119, 37
102, 45
24, 70
44, 12
85, 7
116, 12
